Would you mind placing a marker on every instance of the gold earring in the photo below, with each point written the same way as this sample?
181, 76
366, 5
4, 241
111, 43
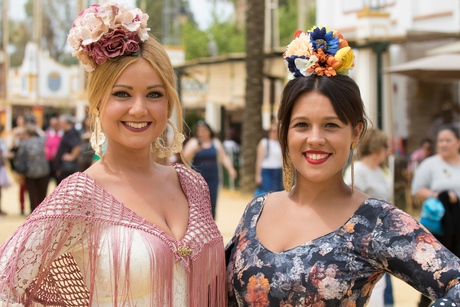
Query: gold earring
288, 173
161, 151
353, 147
97, 136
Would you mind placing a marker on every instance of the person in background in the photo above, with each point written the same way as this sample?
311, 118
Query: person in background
439, 176
425, 151
69, 148
4, 180
54, 135
85, 159
269, 163
19, 134
370, 179
207, 152
36, 176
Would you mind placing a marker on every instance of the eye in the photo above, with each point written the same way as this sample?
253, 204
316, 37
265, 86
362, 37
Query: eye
301, 125
332, 125
155, 95
121, 94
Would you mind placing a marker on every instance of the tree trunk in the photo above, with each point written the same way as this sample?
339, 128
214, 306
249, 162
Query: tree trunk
252, 120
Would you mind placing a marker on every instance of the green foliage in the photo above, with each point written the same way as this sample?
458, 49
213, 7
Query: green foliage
228, 38
191, 120
194, 40
19, 35
288, 20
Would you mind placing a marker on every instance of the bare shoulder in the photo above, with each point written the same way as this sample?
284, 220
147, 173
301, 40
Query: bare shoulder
276, 198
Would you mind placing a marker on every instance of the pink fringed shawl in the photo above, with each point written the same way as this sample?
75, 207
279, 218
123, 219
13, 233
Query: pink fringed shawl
38, 262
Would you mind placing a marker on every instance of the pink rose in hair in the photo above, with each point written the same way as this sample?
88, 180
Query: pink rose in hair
92, 9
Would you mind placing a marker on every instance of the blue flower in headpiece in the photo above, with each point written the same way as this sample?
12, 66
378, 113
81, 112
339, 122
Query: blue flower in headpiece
322, 39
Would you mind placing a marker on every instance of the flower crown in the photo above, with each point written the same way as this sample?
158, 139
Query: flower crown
318, 51
106, 32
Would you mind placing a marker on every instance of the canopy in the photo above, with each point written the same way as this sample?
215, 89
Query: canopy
444, 66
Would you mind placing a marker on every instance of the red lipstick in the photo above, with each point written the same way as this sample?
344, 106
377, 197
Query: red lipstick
316, 152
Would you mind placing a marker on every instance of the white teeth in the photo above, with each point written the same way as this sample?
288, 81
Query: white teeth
317, 156
136, 125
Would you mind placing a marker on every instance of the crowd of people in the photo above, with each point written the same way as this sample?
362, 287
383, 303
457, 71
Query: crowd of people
37, 156
131, 231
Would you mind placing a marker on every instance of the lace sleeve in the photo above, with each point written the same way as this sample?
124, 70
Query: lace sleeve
32, 249
54, 229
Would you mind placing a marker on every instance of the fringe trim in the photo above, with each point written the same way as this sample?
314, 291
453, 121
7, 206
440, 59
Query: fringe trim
43, 241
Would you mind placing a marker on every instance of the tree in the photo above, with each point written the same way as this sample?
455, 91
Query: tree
252, 120
19, 35
55, 25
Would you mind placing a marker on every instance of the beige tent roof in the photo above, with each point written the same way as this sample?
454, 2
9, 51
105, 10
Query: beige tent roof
444, 66
448, 48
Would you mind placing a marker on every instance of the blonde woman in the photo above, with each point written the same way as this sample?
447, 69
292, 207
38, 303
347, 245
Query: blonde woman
128, 230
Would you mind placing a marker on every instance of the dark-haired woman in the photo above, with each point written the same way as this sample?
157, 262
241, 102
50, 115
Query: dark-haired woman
319, 243
439, 176
207, 152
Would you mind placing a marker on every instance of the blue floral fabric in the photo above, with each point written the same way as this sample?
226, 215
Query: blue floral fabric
342, 267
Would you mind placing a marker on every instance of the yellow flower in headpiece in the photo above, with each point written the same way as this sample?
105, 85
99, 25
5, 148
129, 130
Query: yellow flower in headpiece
346, 56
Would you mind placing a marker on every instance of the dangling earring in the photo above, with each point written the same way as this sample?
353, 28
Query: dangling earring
288, 173
161, 151
353, 147
97, 136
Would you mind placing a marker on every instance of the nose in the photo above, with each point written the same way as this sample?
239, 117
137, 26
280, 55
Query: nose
138, 108
316, 138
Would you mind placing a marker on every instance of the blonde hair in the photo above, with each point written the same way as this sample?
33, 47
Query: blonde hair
372, 143
102, 79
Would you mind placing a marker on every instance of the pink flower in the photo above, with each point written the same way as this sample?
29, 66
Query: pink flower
93, 9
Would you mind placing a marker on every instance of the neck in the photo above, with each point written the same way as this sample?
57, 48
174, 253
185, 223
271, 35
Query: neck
370, 161
451, 159
126, 160
310, 193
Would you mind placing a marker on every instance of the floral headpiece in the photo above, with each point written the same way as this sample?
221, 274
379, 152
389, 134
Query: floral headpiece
106, 32
318, 51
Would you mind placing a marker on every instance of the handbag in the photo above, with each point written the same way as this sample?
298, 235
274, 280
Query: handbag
432, 213
21, 165
69, 167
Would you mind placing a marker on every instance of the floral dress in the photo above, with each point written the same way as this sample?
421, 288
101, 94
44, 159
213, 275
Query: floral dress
341, 267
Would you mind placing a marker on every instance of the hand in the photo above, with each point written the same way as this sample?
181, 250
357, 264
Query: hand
452, 197
232, 173
258, 179
67, 157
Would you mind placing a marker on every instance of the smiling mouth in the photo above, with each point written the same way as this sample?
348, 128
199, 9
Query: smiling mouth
136, 125
316, 156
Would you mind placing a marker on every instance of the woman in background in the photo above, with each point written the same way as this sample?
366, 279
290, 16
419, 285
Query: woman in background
438, 176
269, 164
207, 153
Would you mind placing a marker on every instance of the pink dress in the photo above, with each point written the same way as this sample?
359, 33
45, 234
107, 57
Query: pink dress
83, 247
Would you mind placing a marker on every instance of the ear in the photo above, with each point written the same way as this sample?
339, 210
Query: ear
357, 132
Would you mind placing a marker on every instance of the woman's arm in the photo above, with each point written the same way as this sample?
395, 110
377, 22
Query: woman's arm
225, 160
190, 149
260, 157
405, 249
425, 193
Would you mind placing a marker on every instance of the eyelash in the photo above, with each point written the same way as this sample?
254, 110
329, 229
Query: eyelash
122, 94
329, 125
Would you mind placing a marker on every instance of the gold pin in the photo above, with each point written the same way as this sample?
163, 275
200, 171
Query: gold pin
184, 251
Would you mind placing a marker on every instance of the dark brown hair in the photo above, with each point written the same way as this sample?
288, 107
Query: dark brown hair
341, 90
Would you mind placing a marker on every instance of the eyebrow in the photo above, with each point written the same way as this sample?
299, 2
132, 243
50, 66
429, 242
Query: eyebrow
130, 87
324, 118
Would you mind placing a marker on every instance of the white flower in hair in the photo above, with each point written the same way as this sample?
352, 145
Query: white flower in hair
304, 64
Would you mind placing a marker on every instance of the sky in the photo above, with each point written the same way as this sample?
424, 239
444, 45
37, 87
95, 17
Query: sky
202, 16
